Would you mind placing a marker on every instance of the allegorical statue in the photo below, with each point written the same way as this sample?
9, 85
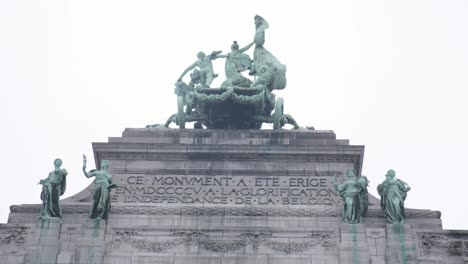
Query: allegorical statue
363, 195
354, 196
102, 187
204, 74
392, 197
237, 62
52, 188
268, 69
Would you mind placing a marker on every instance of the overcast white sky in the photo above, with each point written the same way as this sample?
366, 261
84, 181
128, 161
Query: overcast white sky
390, 75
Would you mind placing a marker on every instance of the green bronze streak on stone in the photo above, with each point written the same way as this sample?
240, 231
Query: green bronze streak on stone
398, 228
97, 225
355, 252
91, 257
402, 243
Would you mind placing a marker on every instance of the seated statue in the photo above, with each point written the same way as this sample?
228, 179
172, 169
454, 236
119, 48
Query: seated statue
52, 188
392, 197
101, 193
237, 62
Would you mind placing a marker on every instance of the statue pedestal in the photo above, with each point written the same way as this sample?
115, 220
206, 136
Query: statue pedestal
91, 246
45, 241
400, 244
353, 247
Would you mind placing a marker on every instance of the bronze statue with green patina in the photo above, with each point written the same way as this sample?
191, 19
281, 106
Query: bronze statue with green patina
363, 195
393, 193
270, 72
236, 62
52, 188
355, 197
102, 189
239, 103
205, 73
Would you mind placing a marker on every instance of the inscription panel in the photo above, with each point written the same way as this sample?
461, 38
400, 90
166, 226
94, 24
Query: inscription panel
222, 189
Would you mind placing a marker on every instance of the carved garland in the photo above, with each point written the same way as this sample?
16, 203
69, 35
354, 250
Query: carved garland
151, 246
214, 98
202, 240
248, 99
15, 240
437, 243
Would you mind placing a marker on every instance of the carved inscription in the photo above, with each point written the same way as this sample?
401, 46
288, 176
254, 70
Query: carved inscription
218, 190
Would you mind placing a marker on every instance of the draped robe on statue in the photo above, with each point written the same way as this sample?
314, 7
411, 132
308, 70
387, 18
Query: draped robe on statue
52, 188
393, 194
269, 70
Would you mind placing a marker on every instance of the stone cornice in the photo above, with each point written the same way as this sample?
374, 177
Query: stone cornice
83, 208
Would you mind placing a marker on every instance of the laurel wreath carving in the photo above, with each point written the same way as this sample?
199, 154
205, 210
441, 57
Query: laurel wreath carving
256, 240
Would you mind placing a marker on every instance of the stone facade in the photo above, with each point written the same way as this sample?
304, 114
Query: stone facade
219, 196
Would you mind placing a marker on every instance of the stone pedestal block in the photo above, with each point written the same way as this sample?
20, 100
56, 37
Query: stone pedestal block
376, 241
400, 244
353, 247
90, 247
45, 242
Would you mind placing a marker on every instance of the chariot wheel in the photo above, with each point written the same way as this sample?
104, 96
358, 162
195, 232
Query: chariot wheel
278, 115
180, 112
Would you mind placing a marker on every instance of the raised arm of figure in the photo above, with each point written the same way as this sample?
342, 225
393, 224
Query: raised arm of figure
335, 182
87, 174
191, 67
215, 54
244, 49
221, 56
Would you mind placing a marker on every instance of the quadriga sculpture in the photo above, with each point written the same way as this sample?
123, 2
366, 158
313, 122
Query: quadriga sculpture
239, 103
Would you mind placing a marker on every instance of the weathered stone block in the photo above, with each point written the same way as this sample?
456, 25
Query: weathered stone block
65, 257
195, 259
354, 257
375, 233
353, 228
